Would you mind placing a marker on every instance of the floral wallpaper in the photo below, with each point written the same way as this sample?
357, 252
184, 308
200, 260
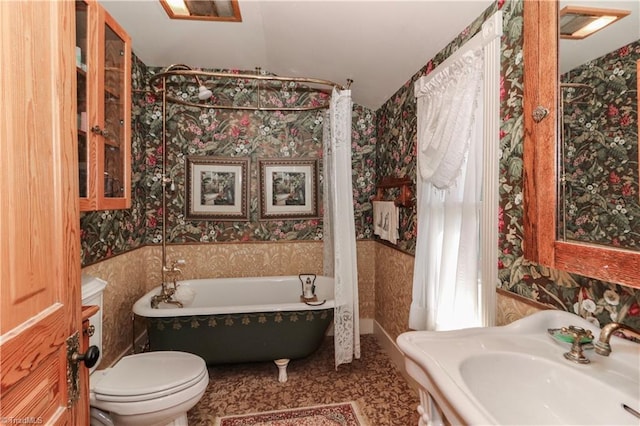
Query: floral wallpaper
241, 133
600, 128
193, 131
397, 134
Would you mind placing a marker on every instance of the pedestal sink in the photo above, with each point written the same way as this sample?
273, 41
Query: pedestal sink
518, 375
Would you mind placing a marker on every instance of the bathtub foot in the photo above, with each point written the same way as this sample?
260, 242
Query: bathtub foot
282, 369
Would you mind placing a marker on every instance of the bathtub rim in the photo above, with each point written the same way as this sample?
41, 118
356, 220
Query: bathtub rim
142, 306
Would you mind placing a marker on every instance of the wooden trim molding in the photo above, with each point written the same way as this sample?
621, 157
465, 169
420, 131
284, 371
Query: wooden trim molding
540, 242
540, 94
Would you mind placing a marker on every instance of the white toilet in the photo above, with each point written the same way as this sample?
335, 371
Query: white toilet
146, 389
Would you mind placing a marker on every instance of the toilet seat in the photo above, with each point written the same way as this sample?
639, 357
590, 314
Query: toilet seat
147, 376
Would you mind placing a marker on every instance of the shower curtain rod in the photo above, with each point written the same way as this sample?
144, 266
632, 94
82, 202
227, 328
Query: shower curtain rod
185, 70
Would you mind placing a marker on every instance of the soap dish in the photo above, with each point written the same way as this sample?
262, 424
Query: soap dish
565, 336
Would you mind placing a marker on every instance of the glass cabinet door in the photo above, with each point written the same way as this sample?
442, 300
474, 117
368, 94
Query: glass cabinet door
114, 114
82, 23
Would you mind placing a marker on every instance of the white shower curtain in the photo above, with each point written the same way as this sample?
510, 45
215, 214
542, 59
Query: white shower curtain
447, 272
339, 226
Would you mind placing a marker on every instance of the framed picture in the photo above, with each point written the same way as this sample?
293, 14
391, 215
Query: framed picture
288, 188
217, 188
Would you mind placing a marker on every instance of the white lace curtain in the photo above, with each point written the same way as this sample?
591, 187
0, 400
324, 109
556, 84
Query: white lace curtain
446, 272
339, 226
458, 126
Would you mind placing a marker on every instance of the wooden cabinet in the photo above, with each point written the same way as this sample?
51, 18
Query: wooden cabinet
103, 69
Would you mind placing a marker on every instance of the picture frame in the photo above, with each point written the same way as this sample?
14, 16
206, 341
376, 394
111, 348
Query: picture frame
217, 188
288, 188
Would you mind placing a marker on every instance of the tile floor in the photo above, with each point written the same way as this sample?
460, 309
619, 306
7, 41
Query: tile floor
373, 381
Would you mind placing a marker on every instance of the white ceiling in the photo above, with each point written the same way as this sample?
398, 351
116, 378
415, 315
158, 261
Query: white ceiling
380, 44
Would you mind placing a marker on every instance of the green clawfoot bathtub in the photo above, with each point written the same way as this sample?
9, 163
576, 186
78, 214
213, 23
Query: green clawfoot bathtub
233, 320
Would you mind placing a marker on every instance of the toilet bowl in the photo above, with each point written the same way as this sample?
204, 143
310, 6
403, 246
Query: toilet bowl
149, 389
145, 389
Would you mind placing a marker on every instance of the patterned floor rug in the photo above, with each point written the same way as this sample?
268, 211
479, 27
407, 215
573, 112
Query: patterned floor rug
342, 414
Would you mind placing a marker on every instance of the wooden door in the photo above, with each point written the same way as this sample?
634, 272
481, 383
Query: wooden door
39, 217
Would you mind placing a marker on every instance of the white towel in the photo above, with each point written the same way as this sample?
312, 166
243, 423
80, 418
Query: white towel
385, 220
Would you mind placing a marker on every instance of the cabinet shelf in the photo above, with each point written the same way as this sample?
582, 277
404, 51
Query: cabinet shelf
111, 143
405, 199
113, 93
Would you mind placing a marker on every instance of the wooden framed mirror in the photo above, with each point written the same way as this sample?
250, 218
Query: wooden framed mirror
543, 243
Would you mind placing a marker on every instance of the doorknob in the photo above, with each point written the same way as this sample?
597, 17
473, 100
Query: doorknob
90, 357
74, 357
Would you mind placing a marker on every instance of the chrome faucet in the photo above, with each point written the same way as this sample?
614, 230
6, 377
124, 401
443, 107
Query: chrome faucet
169, 287
602, 346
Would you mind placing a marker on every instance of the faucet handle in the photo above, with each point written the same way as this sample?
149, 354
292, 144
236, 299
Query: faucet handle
578, 333
176, 263
580, 336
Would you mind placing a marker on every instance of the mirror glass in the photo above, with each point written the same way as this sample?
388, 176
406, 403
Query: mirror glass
599, 197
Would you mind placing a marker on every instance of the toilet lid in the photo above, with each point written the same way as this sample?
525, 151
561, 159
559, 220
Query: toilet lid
149, 375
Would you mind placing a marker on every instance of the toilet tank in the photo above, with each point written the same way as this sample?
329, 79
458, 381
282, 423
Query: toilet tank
92, 291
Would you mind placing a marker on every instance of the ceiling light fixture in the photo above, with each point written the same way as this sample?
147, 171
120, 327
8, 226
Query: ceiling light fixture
577, 22
204, 10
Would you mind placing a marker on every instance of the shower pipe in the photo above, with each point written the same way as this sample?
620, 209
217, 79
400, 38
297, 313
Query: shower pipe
181, 69
561, 152
185, 70
577, 86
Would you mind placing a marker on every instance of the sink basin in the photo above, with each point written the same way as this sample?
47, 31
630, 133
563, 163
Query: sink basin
558, 390
517, 375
